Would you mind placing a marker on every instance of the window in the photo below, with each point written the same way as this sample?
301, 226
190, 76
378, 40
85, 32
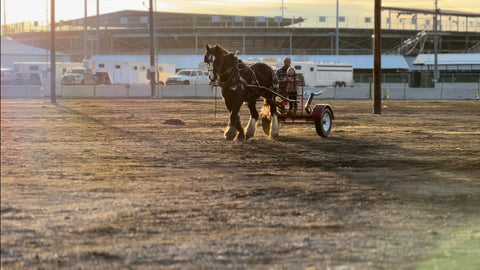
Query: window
101, 65
341, 19
368, 19
117, 66
33, 68
298, 67
322, 19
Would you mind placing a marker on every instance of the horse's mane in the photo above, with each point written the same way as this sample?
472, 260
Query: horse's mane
217, 49
220, 48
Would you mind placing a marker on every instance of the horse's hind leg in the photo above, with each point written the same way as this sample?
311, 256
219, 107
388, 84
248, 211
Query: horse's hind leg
250, 130
274, 128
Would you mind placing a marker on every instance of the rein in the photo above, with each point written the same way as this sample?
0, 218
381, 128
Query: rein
234, 78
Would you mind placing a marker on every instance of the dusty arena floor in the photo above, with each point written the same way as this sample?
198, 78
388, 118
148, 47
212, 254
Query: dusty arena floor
152, 184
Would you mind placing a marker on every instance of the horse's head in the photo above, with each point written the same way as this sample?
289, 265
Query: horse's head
213, 58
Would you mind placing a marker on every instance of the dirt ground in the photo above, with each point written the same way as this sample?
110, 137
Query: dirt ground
151, 183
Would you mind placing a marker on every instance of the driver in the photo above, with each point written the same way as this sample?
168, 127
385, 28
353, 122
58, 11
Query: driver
282, 75
292, 88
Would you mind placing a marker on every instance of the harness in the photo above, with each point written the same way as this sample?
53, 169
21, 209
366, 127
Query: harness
235, 79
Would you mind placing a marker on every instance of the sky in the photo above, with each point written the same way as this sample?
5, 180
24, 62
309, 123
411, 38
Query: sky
38, 10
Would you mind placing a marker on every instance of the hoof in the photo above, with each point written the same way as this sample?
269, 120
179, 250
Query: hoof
240, 137
250, 129
230, 133
274, 130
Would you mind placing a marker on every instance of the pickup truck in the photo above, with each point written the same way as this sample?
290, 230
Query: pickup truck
78, 76
188, 77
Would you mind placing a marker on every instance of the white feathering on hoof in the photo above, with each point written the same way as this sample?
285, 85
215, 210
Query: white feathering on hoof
274, 127
250, 128
230, 133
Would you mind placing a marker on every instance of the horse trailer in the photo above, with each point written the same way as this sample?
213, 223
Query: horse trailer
325, 74
130, 72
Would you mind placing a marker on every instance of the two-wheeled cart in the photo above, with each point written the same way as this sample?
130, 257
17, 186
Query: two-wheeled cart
320, 114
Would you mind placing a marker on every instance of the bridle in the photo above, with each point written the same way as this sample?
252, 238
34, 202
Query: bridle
230, 77
212, 73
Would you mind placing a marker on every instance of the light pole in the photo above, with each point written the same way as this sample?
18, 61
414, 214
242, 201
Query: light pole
52, 56
152, 69
435, 46
377, 60
85, 41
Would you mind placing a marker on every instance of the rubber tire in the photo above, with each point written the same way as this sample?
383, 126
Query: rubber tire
319, 126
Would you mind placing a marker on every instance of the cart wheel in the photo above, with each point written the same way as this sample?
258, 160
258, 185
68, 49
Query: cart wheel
323, 125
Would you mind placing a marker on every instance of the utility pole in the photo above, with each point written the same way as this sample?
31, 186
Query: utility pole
98, 26
53, 63
336, 33
152, 69
377, 59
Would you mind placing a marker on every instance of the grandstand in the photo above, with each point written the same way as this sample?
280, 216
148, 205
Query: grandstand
405, 32
126, 32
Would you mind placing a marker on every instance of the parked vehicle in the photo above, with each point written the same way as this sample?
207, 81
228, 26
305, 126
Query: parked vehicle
9, 77
78, 76
127, 70
188, 77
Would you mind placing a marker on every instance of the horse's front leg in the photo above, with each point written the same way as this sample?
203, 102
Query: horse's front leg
250, 130
234, 124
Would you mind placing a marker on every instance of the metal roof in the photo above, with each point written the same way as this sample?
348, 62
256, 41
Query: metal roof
448, 59
10, 47
191, 61
357, 61
432, 11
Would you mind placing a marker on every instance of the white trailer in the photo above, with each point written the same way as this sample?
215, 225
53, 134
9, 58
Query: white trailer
40, 71
325, 74
128, 72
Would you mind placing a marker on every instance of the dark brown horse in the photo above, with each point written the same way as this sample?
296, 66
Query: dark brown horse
240, 84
